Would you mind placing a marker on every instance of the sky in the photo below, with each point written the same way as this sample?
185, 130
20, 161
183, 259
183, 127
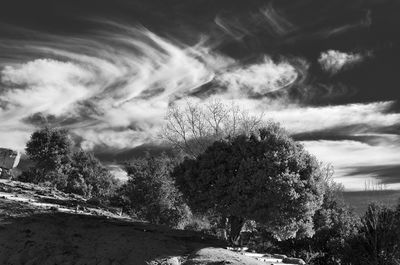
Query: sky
108, 70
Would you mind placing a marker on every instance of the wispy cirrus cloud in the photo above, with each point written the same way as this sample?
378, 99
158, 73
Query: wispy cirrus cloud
269, 19
113, 88
350, 158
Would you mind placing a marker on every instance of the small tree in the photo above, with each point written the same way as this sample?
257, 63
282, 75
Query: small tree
333, 223
152, 192
193, 127
265, 177
89, 177
51, 150
74, 171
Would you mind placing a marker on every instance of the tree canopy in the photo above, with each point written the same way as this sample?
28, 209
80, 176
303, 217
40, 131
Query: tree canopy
152, 192
68, 169
49, 148
266, 177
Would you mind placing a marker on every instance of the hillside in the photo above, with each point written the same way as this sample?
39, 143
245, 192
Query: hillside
42, 226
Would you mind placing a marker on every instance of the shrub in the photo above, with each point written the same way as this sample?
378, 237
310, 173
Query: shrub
152, 193
378, 241
333, 223
58, 165
89, 177
198, 223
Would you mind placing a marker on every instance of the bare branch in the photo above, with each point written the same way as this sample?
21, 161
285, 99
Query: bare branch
192, 128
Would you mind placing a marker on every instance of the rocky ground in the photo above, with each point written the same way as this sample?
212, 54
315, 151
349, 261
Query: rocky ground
41, 226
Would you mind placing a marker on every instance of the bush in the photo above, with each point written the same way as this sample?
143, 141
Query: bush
333, 223
378, 241
198, 223
151, 192
89, 177
344, 240
58, 165
76, 184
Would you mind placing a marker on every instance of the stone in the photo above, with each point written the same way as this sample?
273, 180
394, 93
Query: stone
9, 159
293, 261
172, 261
279, 256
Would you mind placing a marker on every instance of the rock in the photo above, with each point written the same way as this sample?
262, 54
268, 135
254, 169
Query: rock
9, 159
172, 261
279, 256
293, 261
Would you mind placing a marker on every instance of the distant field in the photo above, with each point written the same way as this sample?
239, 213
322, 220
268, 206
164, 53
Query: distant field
359, 200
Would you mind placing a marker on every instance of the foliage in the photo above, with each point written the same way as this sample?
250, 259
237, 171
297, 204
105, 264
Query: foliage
50, 149
333, 223
90, 176
193, 127
378, 241
152, 193
266, 177
341, 239
199, 223
58, 165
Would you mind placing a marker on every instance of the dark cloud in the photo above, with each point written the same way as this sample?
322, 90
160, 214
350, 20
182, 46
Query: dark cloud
121, 156
372, 135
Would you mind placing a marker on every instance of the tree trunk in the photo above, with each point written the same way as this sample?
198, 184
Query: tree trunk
223, 225
236, 224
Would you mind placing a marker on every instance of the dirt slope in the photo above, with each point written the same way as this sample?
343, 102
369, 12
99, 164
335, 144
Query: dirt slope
42, 226
36, 232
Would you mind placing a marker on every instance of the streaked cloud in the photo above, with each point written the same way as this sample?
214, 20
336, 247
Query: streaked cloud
115, 91
112, 86
349, 156
307, 119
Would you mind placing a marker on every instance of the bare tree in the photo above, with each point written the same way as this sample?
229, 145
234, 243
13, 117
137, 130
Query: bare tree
191, 128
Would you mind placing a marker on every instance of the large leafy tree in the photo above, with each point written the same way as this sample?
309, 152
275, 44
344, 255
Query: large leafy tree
266, 177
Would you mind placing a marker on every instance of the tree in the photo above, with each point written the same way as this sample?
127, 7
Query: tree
152, 192
194, 127
265, 177
74, 171
89, 177
334, 223
51, 150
